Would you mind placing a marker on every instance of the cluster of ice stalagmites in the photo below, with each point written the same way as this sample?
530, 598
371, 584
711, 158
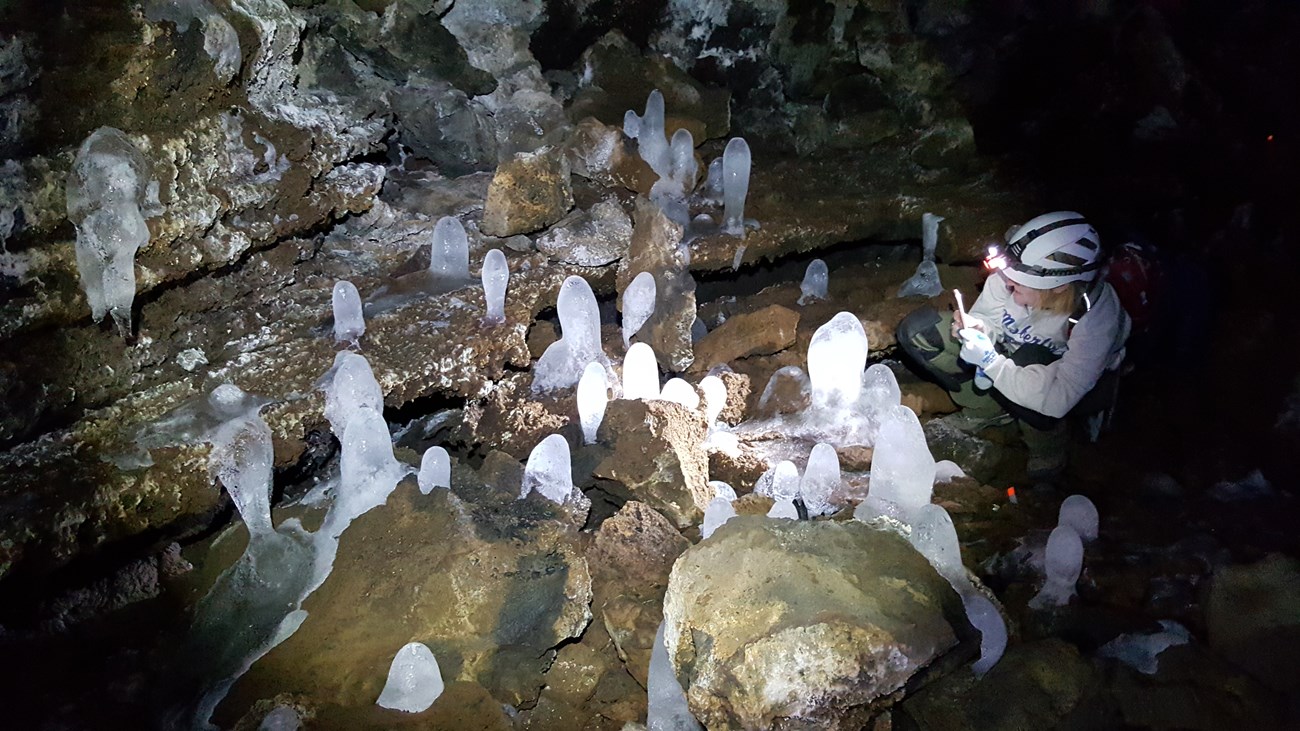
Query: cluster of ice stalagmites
1077, 522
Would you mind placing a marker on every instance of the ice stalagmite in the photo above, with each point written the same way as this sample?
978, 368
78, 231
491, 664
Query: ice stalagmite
650, 137
925, 282
935, 537
785, 481
715, 398
816, 282
821, 479
680, 392
449, 252
666, 708
712, 192
638, 304
563, 362
836, 356
880, 392
241, 459
735, 186
549, 470
718, 512
1064, 564
349, 322
350, 385
986, 618
929, 235
435, 470
902, 469
685, 169
593, 397
414, 680
1078, 512
368, 469
787, 375
496, 277
640, 373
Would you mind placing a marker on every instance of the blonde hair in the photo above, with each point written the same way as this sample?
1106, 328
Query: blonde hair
1062, 299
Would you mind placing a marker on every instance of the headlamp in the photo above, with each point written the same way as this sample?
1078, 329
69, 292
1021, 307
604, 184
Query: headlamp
995, 260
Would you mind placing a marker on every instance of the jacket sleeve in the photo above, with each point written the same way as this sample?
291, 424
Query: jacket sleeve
1055, 388
990, 304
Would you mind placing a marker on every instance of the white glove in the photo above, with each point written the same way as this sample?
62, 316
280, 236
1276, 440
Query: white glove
982, 381
976, 348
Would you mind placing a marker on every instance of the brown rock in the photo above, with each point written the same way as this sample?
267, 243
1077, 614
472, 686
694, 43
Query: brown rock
738, 388
655, 249
605, 155
740, 470
530, 191
924, 397
540, 337
769, 330
855, 458
508, 418
658, 457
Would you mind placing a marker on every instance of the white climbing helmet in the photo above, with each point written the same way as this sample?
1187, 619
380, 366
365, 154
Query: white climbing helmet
1053, 249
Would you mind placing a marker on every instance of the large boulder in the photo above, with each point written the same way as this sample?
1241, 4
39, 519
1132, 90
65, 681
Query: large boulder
799, 624
1253, 619
589, 238
530, 191
658, 457
769, 330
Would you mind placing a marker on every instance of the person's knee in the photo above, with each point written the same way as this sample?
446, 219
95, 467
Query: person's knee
1033, 354
921, 333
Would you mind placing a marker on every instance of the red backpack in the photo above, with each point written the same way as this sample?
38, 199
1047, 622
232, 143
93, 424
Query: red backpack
1134, 273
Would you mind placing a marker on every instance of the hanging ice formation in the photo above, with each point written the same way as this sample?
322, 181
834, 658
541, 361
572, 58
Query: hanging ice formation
435, 469
735, 186
1078, 512
821, 480
593, 397
449, 250
195, 420
666, 707
640, 373
680, 392
414, 680
106, 192
496, 277
349, 386
1064, 564
349, 322
925, 282
816, 282
638, 305
549, 470
902, 469
563, 362
715, 398
837, 355
241, 459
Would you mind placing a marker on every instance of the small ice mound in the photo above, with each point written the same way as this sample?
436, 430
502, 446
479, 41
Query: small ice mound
281, 718
718, 511
785, 482
666, 706
784, 509
638, 305
414, 680
1142, 651
564, 361
722, 490
935, 537
680, 392
924, 283
349, 322
435, 470
549, 470
902, 469
640, 373
786, 391
816, 282
449, 250
496, 278
1079, 513
947, 471
985, 617
593, 399
1064, 563
837, 355
821, 480
715, 398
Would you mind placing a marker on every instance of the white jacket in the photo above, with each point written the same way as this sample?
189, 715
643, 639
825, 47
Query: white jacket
1093, 346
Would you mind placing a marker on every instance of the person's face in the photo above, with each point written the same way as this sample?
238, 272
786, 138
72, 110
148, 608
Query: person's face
1024, 296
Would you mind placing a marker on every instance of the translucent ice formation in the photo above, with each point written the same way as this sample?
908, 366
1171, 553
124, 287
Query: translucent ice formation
718, 512
735, 186
986, 618
1064, 564
1142, 651
712, 192
435, 469
414, 680
935, 537
638, 304
241, 459
1079, 513
496, 276
105, 192
783, 509
792, 375
564, 361
715, 398
666, 701
349, 322
836, 356
902, 469
194, 420
368, 469
947, 471
640, 373
880, 393
924, 283
684, 166
549, 470
785, 481
449, 251
680, 392
929, 235
593, 397
722, 490
821, 480
349, 386
650, 138
220, 40
816, 282
281, 718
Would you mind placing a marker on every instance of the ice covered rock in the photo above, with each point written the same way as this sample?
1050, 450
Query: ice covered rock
821, 480
1064, 563
496, 277
902, 470
715, 398
985, 617
564, 361
947, 471
241, 459
816, 282
666, 707
549, 470
435, 469
414, 680
640, 373
589, 238
349, 385
924, 283
719, 511
106, 194
349, 322
735, 186
1142, 651
1078, 512
593, 398
194, 420
638, 305
680, 392
220, 40
837, 355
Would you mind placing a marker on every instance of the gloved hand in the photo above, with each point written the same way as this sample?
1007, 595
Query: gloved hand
982, 381
976, 348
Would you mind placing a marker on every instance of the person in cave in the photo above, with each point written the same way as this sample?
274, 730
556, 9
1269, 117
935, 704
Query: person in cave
1042, 342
